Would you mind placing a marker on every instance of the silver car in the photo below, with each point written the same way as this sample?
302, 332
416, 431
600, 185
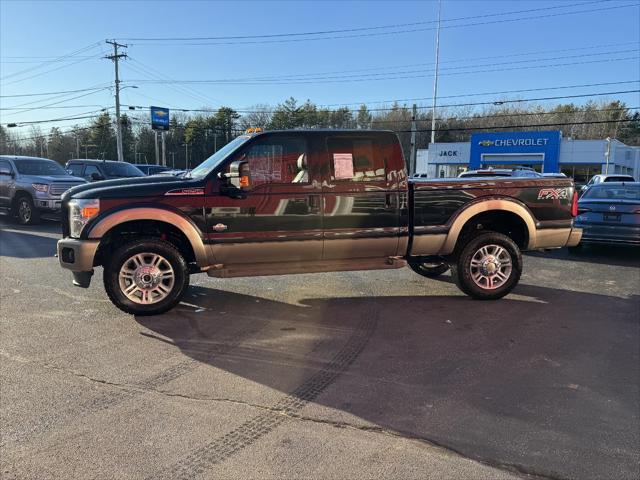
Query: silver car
30, 186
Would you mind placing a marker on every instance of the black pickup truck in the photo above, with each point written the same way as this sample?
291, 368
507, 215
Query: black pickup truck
283, 202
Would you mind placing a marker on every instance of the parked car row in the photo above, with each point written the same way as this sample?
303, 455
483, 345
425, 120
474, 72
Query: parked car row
32, 186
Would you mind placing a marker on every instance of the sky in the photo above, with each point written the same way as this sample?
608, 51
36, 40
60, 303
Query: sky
378, 51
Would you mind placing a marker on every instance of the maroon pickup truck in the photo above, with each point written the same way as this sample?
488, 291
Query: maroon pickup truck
301, 201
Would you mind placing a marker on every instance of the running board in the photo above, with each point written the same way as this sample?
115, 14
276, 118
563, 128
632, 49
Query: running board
292, 268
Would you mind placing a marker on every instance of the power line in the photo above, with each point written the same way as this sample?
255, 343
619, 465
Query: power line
48, 93
489, 127
49, 71
266, 39
54, 108
486, 93
62, 119
55, 103
41, 61
58, 59
468, 104
391, 76
506, 115
305, 77
501, 127
360, 29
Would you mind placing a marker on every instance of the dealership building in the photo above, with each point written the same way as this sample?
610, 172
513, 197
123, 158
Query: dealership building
544, 151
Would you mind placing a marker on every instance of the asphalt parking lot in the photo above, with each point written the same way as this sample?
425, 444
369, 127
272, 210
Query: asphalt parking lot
341, 375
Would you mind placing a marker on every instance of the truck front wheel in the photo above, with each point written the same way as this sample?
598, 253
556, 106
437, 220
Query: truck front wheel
147, 276
25, 211
488, 266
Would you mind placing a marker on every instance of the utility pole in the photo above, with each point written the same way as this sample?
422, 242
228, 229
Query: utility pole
186, 155
164, 150
115, 57
156, 145
435, 78
412, 160
607, 154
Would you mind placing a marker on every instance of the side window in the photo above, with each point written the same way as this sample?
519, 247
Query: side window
355, 159
278, 161
75, 169
6, 165
89, 170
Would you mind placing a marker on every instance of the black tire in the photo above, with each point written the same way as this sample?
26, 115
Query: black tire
463, 273
147, 248
430, 268
25, 211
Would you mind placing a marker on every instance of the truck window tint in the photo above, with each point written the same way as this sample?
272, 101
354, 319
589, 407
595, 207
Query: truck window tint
39, 167
368, 164
121, 169
6, 165
75, 169
89, 170
278, 160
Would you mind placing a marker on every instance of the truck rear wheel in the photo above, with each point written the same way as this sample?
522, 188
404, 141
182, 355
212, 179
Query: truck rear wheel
488, 266
430, 268
147, 276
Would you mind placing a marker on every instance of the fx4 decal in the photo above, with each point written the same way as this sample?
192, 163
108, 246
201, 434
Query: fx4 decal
553, 193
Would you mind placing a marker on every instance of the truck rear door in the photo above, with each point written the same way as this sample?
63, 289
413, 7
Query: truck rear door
361, 195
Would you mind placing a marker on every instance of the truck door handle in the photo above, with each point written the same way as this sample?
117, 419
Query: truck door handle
388, 198
314, 203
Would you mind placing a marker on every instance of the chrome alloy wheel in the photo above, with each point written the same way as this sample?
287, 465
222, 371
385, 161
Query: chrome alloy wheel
24, 211
491, 267
146, 278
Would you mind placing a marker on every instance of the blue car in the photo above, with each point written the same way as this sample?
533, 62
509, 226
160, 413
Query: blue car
609, 213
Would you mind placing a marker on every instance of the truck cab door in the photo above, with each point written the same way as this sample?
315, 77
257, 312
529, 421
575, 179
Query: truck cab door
362, 199
280, 218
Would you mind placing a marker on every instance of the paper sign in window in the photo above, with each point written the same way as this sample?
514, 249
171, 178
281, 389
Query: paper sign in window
343, 165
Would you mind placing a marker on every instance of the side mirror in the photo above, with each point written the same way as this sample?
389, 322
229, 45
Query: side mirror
96, 177
6, 171
238, 179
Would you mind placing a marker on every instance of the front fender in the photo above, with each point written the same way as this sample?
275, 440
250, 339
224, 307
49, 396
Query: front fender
111, 220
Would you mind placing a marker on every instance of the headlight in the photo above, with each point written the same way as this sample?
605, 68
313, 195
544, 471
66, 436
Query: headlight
40, 187
80, 212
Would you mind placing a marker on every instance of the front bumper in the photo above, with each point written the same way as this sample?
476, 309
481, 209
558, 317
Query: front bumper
49, 205
77, 255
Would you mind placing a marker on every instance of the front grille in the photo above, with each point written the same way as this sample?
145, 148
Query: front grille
59, 188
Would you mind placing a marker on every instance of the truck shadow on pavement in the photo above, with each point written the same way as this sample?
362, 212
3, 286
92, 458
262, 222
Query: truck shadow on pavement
534, 382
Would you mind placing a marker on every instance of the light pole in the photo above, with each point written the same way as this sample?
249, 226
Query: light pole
186, 155
435, 78
607, 154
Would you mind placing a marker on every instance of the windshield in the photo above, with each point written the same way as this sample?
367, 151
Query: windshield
485, 174
39, 167
622, 178
121, 170
613, 192
214, 160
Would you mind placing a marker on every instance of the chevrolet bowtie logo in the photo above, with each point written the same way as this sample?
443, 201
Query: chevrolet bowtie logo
486, 143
